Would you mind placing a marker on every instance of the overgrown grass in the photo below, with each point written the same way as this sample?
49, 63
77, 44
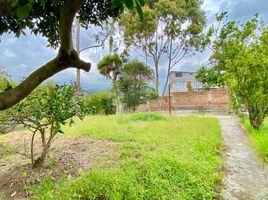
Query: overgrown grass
161, 157
6, 150
259, 137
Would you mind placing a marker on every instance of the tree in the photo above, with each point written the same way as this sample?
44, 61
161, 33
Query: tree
5, 84
240, 60
210, 77
168, 27
99, 103
136, 70
45, 111
53, 19
133, 86
110, 67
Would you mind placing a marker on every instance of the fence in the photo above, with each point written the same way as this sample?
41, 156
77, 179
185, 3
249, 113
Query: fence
217, 100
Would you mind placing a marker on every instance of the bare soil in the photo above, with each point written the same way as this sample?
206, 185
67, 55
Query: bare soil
71, 155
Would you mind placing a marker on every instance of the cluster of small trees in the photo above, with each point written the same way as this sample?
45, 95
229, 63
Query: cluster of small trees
240, 63
130, 81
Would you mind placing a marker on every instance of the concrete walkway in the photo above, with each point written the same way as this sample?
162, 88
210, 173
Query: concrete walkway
245, 176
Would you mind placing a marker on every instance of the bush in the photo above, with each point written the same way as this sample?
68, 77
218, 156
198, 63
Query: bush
147, 117
99, 103
5, 84
44, 111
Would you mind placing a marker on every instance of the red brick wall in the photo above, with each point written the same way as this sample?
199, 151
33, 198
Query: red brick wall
201, 100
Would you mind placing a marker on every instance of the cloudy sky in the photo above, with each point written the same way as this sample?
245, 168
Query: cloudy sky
20, 56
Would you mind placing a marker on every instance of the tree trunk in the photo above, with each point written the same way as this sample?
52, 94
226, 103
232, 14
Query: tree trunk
157, 84
32, 148
67, 57
78, 79
256, 119
116, 96
41, 160
256, 115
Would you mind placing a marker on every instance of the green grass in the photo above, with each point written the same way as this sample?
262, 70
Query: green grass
259, 137
6, 150
161, 157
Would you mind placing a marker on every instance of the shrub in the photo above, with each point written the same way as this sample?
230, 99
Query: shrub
147, 117
5, 84
99, 103
45, 111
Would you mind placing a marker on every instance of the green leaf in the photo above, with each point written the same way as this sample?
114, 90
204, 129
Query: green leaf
43, 3
129, 4
14, 3
23, 12
139, 10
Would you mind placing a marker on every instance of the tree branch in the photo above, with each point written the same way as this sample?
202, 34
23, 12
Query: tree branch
67, 15
95, 46
61, 62
67, 57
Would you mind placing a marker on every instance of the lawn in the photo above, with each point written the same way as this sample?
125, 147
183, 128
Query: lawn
259, 137
161, 157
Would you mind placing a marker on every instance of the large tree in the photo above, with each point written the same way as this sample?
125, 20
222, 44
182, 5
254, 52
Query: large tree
169, 29
53, 19
240, 62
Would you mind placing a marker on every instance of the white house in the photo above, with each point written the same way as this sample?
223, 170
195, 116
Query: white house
182, 81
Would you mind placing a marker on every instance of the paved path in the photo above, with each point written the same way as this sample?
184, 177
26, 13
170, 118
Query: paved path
246, 177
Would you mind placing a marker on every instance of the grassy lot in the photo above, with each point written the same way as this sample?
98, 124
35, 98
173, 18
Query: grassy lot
259, 137
161, 157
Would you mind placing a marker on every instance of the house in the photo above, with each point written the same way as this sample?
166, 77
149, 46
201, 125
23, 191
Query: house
182, 81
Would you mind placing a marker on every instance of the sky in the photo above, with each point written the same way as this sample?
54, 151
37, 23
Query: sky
21, 56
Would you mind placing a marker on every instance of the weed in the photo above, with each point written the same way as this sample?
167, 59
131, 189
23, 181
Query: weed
259, 137
160, 158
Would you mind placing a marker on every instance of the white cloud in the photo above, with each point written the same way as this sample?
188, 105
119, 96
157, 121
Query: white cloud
9, 53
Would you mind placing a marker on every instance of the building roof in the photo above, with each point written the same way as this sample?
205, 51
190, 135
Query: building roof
183, 71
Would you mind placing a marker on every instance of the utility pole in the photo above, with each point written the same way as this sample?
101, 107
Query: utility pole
169, 100
78, 81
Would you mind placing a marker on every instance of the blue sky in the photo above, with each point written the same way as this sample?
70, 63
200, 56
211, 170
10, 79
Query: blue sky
20, 56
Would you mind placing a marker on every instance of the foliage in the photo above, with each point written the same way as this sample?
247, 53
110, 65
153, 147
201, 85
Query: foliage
99, 103
147, 117
36, 15
53, 20
240, 60
209, 77
110, 66
5, 84
4, 81
173, 28
175, 158
132, 85
133, 92
137, 70
45, 111
259, 137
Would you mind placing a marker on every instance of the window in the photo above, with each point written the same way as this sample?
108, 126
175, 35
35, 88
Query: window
180, 85
178, 74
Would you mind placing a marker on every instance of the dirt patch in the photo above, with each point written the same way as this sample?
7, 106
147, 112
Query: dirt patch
71, 155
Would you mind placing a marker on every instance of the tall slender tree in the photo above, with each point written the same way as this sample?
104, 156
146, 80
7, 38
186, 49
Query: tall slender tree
169, 29
110, 67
